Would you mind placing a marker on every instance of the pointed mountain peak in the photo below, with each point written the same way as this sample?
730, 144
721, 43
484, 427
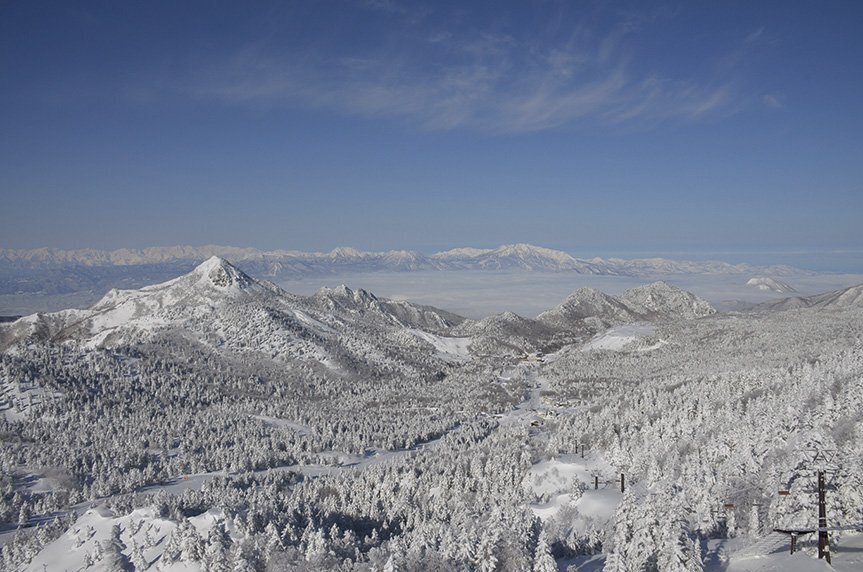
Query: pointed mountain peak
588, 303
346, 252
221, 273
211, 263
361, 295
341, 291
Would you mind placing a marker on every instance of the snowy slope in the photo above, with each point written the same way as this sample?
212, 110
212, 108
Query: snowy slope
221, 307
839, 299
505, 333
519, 256
767, 284
619, 337
126, 313
90, 543
587, 303
282, 262
595, 310
366, 305
663, 301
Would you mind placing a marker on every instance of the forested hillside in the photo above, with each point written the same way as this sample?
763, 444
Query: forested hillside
216, 422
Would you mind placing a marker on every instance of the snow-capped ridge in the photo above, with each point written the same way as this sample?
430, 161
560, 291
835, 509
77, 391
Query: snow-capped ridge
661, 299
464, 252
90, 264
766, 284
222, 274
381, 310
851, 297
343, 294
519, 256
587, 303
218, 305
346, 252
595, 309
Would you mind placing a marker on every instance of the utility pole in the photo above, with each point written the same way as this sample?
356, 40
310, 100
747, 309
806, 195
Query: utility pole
823, 542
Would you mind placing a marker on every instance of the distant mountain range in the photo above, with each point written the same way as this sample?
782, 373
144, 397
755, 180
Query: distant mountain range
838, 299
218, 306
216, 297
766, 284
276, 263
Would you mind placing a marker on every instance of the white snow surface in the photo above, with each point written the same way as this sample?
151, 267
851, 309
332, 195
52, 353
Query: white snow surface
568, 481
772, 554
446, 346
767, 284
618, 338
94, 526
525, 256
297, 428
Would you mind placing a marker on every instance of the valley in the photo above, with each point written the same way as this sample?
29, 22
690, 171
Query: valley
217, 421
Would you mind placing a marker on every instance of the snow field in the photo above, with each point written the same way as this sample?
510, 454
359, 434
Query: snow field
566, 483
618, 338
445, 346
141, 527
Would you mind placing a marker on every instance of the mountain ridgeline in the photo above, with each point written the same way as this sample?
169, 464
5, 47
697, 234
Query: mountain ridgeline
293, 262
51, 271
220, 305
216, 418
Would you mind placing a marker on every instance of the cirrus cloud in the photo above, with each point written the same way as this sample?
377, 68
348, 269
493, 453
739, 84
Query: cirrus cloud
451, 78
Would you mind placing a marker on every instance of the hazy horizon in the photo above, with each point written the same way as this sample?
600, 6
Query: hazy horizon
826, 260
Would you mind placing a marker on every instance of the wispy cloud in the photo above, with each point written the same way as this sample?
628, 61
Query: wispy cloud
447, 79
773, 101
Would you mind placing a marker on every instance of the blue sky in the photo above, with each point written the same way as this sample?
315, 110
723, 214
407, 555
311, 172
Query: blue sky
595, 127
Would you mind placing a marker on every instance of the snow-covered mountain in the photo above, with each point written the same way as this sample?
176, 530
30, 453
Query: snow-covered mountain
215, 418
584, 313
656, 301
653, 266
223, 308
506, 333
589, 304
519, 256
767, 284
292, 262
211, 285
369, 307
661, 300
219, 305
839, 299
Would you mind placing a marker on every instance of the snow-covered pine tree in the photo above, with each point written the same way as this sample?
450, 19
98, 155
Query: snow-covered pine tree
112, 556
542, 559
139, 561
677, 552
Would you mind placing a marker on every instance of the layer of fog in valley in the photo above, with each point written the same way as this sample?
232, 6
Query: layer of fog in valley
216, 422
480, 294
476, 294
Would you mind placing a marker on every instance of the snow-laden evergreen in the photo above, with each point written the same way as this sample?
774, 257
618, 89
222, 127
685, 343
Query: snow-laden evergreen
216, 422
